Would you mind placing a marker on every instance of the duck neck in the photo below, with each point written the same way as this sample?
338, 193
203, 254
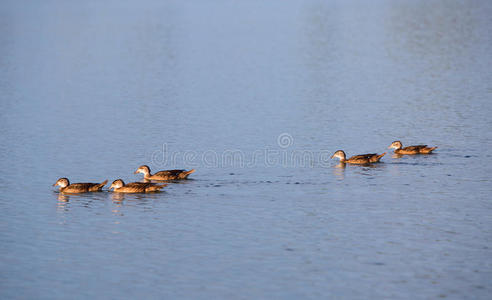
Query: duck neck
343, 157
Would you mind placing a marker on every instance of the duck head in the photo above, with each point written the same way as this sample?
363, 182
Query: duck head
395, 145
339, 154
143, 169
62, 182
117, 184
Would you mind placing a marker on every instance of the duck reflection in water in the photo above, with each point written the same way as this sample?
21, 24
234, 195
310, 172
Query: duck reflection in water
63, 202
339, 171
117, 197
396, 155
134, 198
63, 197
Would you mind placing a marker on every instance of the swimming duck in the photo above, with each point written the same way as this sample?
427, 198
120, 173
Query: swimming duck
66, 187
163, 175
358, 159
135, 187
419, 149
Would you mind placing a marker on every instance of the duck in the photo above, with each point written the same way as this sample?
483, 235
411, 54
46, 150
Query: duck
66, 187
360, 159
411, 150
163, 175
135, 187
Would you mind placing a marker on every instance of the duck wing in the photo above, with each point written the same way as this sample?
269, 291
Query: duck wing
414, 148
83, 185
155, 187
139, 184
80, 187
169, 173
363, 156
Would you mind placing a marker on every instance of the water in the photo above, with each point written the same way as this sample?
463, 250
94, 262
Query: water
255, 96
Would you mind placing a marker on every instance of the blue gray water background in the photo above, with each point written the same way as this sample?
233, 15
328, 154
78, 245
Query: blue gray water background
255, 95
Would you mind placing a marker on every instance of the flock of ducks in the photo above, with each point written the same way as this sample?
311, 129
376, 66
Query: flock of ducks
119, 185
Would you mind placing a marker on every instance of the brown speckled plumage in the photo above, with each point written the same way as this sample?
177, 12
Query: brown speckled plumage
66, 187
360, 159
411, 150
135, 187
163, 175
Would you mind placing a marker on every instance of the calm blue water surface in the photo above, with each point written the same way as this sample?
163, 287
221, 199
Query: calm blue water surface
256, 96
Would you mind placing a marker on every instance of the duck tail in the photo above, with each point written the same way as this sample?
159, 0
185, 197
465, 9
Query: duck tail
185, 174
429, 150
98, 187
379, 156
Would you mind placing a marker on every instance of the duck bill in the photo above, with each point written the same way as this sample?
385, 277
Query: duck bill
136, 172
55, 184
